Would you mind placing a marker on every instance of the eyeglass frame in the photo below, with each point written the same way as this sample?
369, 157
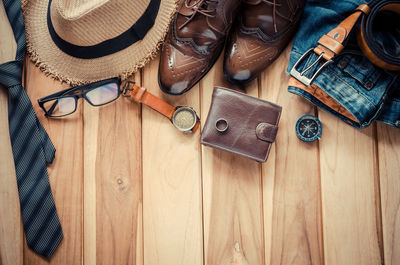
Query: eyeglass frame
88, 87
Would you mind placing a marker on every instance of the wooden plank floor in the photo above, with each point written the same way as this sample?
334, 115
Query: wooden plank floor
130, 189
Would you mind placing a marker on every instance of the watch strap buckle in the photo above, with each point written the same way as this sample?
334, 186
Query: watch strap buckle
126, 89
132, 90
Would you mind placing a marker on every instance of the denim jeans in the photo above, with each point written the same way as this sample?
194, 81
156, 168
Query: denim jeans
362, 92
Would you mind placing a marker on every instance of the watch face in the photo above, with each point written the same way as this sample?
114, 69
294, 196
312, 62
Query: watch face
184, 119
308, 128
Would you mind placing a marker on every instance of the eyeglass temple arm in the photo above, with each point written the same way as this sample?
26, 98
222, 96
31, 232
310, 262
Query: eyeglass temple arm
50, 111
76, 88
67, 91
58, 94
62, 93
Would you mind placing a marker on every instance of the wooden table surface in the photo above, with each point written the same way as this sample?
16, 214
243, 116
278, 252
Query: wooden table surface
130, 189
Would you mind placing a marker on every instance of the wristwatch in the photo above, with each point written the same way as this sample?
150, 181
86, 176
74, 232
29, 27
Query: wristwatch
183, 118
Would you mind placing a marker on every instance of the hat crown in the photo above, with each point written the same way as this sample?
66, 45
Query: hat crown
89, 22
74, 9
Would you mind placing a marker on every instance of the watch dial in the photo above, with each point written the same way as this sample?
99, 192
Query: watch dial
308, 128
184, 118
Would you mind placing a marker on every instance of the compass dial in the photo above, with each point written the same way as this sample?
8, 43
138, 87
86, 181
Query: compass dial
308, 128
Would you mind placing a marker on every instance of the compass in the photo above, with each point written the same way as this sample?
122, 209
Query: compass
308, 128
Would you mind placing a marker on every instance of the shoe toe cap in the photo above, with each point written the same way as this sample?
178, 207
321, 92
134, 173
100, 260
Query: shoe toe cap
177, 72
246, 57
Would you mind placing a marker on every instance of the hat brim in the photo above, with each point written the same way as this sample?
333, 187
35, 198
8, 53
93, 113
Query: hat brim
54, 62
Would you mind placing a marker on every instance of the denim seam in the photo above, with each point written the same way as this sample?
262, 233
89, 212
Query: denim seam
349, 107
364, 80
386, 121
353, 88
391, 123
324, 107
293, 51
361, 82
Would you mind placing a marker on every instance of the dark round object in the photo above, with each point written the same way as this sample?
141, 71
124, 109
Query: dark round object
308, 128
221, 125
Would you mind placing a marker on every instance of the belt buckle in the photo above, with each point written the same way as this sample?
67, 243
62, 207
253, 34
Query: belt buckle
300, 75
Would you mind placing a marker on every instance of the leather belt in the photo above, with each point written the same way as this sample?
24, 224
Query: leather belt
332, 43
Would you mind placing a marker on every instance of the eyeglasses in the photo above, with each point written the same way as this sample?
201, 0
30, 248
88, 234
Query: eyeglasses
64, 102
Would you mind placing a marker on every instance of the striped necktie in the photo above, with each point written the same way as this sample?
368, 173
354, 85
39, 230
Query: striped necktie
32, 149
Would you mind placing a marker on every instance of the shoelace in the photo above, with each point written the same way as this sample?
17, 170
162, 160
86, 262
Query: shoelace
203, 7
275, 12
274, 5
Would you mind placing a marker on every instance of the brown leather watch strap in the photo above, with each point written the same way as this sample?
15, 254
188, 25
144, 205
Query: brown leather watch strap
333, 42
196, 126
140, 94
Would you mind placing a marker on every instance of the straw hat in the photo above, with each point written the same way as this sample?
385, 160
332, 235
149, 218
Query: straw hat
81, 41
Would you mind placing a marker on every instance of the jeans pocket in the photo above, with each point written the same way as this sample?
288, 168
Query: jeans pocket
360, 69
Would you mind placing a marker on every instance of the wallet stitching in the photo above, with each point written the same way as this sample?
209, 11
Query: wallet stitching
253, 98
264, 138
276, 124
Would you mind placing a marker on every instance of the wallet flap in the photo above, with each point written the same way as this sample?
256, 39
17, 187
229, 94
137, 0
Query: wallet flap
266, 132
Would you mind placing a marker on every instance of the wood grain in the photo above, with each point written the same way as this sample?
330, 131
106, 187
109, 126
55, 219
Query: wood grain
291, 185
233, 230
171, 183
11, 231
66, 171
389, 172
131, 189
113, 182
349, 212
8, 46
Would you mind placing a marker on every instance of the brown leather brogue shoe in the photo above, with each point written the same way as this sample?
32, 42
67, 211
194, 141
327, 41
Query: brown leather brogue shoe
194, 42
261, 32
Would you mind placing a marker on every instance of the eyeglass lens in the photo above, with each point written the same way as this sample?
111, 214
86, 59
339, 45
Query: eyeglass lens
61, 106
103, 94
98, 96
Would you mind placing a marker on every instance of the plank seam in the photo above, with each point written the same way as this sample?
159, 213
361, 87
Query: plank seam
321, 229
378, 196
259, 90
141, 164
201, 176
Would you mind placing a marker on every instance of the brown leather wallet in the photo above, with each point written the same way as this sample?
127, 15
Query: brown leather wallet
241, 124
